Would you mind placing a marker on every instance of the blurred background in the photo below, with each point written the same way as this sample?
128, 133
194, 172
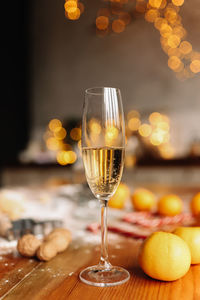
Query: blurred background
54, 50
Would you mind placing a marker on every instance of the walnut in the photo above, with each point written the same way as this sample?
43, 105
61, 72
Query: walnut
55, 242
61, 231
46, 251
28, 245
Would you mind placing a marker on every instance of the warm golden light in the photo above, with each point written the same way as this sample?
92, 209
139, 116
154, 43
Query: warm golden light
156, 138
185, 47
60, 134
102, 22
111, 134
61, 158
74, 13
170, 15
166, 151
141, 6
134, 124
70, 4
174, 62
151, 15
155, 117
130, 161
145, 130
118, 26
155, 3
179, 31
178, 2
95, 126
70, 157
52, 144
55, 125
75, 134
195, 66
165, 30
163, 4
159, 22
66, 157
163, 126
174, 52
133, 114
174, 41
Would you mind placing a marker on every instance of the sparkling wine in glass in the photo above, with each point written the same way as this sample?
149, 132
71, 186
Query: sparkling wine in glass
103, 147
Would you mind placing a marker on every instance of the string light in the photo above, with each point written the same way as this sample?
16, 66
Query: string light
166, 19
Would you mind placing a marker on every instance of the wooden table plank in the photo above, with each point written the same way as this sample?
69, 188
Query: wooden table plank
48, 276
58, 279
13, 268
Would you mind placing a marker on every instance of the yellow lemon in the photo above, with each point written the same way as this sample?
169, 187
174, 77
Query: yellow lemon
195, 204
170, 205
119, 198
165, 256
143, 200
191, 235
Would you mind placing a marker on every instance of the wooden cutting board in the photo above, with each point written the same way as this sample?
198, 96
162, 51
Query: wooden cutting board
22, 278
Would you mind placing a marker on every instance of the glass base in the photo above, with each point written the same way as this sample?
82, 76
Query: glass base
99, 276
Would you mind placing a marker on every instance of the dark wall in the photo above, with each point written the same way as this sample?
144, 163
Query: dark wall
14, 103
68, 57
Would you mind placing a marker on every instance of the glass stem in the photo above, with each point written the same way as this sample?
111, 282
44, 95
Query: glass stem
104, 244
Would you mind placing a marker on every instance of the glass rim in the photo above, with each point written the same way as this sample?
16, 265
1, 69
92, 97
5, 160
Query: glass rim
98, 90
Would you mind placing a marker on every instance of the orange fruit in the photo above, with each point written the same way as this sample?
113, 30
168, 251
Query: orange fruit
195, 204
118, 200
191, 235
170, 205
143, 200
165, 256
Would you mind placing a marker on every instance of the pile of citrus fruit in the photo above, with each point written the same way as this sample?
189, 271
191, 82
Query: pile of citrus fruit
164, 256
168, 256
144, 200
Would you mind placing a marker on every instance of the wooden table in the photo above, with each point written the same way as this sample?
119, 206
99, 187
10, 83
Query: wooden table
22, 278
58, 279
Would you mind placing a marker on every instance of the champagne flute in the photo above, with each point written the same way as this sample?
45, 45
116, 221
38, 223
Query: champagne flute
103, 147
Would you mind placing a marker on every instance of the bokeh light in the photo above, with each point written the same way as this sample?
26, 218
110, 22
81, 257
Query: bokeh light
55, 125
52, 144
174, 62
195, 66
60, 134
118, 26
111, 134
95, 126
155, 118
178, 2
74, 13
185, 47
102, 22
151, 15
133, 114
145, 130
75, 134
159, 22
155, 3
134, 124
174, 41
70, 4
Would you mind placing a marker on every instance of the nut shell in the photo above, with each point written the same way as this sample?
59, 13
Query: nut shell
28, 245
46, 251
61, 231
